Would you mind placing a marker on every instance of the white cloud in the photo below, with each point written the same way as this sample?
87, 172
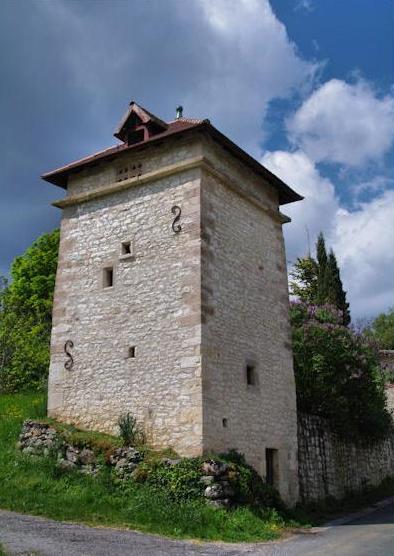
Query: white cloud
344, 123
362, 239
225, 60
316, 212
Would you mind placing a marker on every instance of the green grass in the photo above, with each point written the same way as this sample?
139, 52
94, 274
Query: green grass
35, 486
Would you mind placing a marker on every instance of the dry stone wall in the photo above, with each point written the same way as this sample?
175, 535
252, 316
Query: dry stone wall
329, 466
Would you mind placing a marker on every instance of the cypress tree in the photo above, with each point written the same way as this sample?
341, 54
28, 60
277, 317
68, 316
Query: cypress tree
322, 277
335, 292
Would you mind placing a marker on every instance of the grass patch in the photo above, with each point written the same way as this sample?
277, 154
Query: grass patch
36, 486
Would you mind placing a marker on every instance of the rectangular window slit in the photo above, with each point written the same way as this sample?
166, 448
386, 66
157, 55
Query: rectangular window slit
250, 375
271, 466
131, 352
225, 423
108, 277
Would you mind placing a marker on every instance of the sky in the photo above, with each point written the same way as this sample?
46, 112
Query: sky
305, 86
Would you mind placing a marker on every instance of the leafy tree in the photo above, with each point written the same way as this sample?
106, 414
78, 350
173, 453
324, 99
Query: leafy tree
382, 329
337, 373
25, 316
304, 284
318, 281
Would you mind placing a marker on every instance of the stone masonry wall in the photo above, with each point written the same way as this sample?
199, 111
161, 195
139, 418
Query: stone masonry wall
245, 323
328, 466
199, 307
154, 305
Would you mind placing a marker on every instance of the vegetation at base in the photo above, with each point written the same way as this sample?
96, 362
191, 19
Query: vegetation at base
26, 316
381, 329
337, 373
323, 510
129, 430
318, 281
36, 486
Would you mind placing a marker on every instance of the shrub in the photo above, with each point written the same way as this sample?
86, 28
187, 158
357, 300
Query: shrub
180, 481
337, 373
26, 315
130, 431
249, 487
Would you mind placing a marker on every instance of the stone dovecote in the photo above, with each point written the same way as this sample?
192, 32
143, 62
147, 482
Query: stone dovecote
171, 297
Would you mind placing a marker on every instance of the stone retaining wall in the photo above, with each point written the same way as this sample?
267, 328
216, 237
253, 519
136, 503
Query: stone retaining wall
328, 466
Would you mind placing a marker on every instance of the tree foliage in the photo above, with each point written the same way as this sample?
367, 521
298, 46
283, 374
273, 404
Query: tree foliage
337, 373
318, 281
382, 329
26, 316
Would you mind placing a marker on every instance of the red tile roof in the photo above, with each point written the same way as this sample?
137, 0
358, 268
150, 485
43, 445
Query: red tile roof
177, 127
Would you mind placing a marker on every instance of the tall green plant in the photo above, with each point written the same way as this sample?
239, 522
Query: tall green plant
318, 281
26, 315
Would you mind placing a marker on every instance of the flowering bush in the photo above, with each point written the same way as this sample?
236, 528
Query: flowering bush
337, 373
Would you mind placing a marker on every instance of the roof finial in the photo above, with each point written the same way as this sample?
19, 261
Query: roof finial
179, 112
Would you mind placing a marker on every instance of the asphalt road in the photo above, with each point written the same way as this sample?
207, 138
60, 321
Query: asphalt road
370, 535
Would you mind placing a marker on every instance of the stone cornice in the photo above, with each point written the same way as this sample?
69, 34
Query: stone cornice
201, 162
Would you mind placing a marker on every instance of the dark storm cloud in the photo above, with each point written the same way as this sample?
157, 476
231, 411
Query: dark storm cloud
70, 68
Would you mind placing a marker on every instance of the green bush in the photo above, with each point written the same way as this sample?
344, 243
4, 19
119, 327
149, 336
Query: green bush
337, 373
249, 487
26, 316
130, 431
179, 482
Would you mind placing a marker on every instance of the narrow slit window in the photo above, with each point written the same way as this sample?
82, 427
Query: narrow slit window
131, 352
250, 375
271, 466
225, 423
108, 277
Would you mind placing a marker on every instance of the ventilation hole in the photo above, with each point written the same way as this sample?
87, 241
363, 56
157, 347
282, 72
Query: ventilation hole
225, 423
126, 248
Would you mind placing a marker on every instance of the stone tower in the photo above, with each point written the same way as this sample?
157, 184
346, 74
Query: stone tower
171, 298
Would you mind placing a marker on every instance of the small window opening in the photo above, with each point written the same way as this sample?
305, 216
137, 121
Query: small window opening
250, 375
126, 248
108, 277
131, 352
271, 466
225, 423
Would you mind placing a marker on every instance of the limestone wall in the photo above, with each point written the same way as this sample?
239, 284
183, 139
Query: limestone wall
153, 305
201, 308
245, 324
328, 466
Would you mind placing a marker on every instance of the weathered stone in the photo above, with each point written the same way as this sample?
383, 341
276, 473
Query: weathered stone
86, 456
207, 479
72, 454
170, 462
66, 465
214, 468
